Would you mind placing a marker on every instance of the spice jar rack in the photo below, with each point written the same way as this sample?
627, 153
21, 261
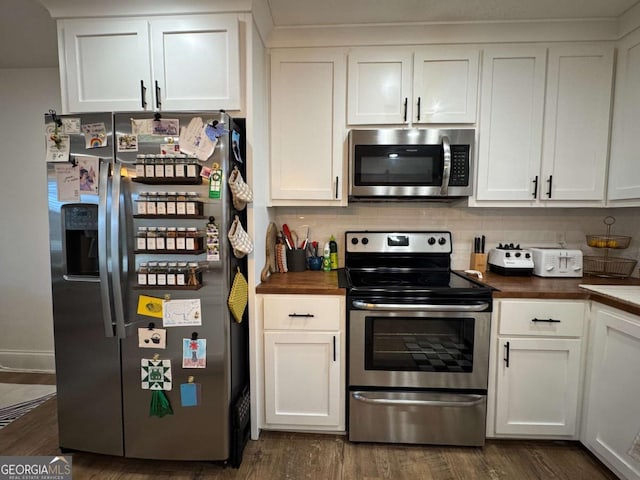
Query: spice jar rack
167, 170
173, 275
605, 265
169, 205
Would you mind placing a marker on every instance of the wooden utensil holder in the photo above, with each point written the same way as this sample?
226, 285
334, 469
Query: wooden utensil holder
478, 262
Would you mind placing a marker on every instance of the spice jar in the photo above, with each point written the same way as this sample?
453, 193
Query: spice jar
191, 205
152, 235
161, 204
149, 166
192, 171
141, 204
140, 165
172, 268
143, 270
159, 170
169, 166
193, 274
192, 233
162, 273
152, 275
141, 238
181, 239
181, 203
181, 273
162, 237
170, 241
180, 165
171, 203
152, 197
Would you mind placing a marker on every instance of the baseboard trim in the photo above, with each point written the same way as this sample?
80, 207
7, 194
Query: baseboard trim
27, 361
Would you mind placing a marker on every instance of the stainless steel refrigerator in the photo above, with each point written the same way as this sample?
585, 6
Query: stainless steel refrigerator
95, 266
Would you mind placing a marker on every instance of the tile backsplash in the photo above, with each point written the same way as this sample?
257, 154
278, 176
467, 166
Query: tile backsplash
545, 227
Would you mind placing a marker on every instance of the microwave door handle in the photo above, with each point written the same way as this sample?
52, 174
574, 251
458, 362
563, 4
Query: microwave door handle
446, 169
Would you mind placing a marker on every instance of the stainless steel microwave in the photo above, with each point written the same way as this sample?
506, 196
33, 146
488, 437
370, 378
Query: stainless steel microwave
410, 164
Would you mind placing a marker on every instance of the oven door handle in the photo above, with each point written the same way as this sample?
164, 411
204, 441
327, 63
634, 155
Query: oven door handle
476, 307
470, 401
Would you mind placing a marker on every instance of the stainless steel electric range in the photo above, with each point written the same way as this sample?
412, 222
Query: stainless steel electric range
418, 341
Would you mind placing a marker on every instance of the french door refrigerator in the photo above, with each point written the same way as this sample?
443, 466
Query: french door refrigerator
98, 276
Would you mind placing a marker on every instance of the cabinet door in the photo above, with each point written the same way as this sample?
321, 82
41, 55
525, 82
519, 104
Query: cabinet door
105, 62
302, 378
445, 88
576, 126
624, 168
612, 406
510, 128
379, 86
307, 125
195, 62
537, 388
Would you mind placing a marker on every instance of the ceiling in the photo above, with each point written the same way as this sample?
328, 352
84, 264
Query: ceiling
33, 41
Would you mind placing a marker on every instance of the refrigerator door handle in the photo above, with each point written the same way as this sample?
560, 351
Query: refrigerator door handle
116, 260
103, 263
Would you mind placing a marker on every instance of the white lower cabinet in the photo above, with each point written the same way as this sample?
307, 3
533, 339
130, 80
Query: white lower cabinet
536, 368
611, 420
304, 362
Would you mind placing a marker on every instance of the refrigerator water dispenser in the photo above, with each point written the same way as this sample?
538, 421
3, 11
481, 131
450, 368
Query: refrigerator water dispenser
80, 247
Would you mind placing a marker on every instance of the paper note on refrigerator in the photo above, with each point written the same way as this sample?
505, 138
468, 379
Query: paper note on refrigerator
178, 313
149, 306
195, 142
68, 182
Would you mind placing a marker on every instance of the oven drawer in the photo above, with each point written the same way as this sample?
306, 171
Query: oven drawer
303, 312
542, 318
417, 417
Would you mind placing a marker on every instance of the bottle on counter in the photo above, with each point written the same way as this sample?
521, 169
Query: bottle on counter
326, 259
333, 253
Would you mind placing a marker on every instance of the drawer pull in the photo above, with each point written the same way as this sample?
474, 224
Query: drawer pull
547, 320
303, 315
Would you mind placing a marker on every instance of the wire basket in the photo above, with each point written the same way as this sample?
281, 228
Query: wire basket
608, 241
608, 266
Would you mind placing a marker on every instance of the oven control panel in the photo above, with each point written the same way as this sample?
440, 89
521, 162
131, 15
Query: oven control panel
398, 242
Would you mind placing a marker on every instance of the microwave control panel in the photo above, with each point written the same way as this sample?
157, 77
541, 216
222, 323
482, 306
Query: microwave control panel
459, 166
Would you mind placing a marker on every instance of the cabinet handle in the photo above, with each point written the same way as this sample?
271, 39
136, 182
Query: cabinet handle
547, 320
550, 182
406, 100
334, 348
535, 187
337, 182
143, 94
158, 92
506, 358
418, 119
302, 315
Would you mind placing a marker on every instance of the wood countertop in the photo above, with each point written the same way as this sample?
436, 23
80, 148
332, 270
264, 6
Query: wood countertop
326, 283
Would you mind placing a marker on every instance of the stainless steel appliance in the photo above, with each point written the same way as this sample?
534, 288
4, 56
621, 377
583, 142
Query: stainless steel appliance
418, 337
406, 164
510, 260
556, 262
95, 262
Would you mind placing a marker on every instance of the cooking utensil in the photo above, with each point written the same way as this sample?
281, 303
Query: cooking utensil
287, 236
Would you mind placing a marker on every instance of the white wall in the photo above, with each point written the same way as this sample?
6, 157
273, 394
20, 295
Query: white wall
26, 338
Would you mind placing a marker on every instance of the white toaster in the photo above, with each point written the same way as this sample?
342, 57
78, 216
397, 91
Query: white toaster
556, 262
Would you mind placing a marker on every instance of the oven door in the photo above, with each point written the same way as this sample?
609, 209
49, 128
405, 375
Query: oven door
419, 346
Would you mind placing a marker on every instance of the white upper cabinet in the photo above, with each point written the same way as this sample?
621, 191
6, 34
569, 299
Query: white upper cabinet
544, 149
624, 167
510, 130
576, 123
178, 63
307, 126
396, 85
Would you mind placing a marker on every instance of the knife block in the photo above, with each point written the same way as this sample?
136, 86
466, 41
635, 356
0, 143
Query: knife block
478, 261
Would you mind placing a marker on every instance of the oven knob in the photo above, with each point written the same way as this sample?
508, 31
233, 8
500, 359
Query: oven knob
365, 240
507, 255
517, 254
527, 255
442, 240
432, 241
354, 241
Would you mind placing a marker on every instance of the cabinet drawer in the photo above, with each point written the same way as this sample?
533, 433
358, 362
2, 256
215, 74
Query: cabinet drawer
542, 318
302, 312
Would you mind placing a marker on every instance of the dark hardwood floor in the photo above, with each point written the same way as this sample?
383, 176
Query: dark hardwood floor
294, 456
